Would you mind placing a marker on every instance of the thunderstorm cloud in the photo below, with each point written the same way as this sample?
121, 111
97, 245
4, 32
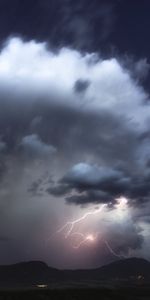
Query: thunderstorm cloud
74, 131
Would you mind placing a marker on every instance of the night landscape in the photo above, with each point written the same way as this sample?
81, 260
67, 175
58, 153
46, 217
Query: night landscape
74, 149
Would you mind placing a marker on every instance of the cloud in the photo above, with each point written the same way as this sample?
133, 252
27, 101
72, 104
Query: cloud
96, 184
85, 112
93, 184
58, 190
33, 146
84, 174
85, 125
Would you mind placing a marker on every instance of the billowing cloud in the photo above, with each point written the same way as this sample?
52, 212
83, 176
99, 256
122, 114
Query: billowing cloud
96, 184
78, 119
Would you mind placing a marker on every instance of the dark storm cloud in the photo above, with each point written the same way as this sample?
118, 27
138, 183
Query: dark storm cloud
47, 124
92, 185
65, 129
99, 184
99, 126
69, 132
97, 197
102, 185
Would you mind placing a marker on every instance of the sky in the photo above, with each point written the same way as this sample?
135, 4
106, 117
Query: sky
74, 131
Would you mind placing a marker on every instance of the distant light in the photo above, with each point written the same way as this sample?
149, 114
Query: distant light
140, 277
42, 286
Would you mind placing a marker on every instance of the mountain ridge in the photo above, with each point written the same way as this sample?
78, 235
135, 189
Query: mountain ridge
42, 263
32, 273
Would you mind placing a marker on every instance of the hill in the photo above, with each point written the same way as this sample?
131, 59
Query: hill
35, 272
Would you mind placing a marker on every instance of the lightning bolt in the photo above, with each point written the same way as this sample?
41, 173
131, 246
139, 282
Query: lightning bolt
112, 251
80, 244
84, 238
71, 224
78, 233
91, 238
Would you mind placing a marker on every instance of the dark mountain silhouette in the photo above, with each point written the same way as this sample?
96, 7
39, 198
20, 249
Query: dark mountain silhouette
126, 268
121, 269
36, 272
